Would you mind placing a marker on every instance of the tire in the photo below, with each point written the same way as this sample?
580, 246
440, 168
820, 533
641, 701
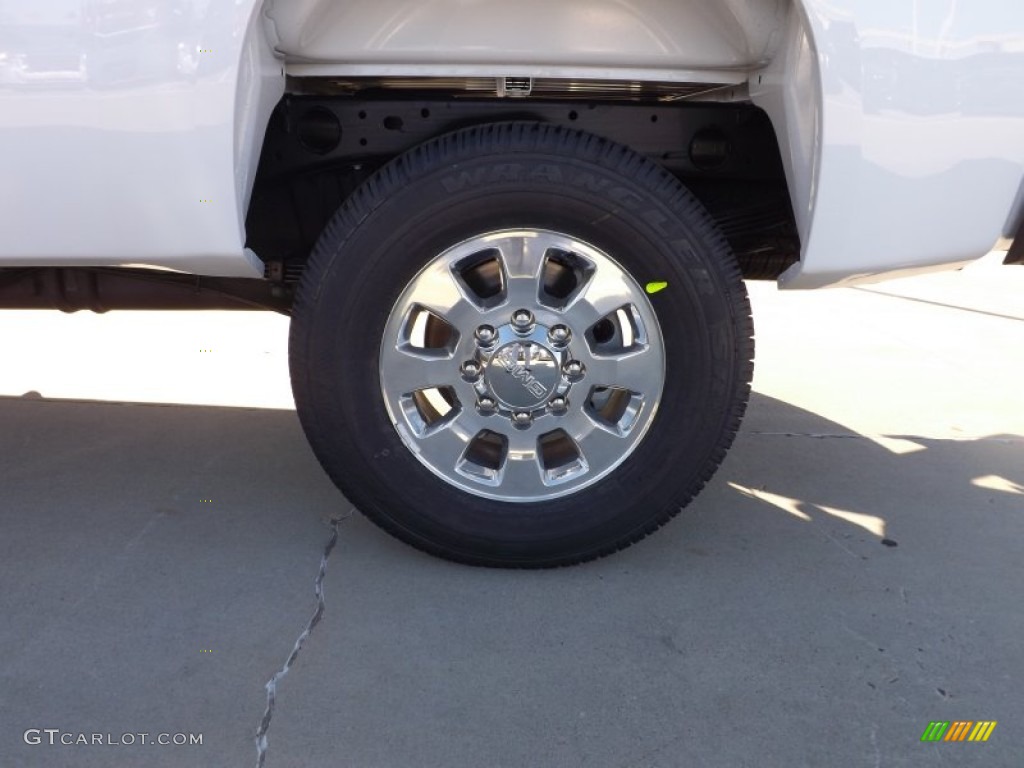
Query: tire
596, 211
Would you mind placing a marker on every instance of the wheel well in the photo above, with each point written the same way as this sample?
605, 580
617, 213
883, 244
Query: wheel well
327, 138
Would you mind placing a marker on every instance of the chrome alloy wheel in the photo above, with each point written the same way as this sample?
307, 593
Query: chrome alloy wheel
522, 365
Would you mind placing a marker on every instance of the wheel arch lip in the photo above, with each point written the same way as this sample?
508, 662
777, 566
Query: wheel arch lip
902, 150
149, 152
531, 38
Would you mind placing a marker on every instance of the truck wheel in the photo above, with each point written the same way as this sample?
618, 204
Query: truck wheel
519, 345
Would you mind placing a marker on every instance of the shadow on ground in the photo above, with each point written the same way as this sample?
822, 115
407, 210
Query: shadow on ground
157, 564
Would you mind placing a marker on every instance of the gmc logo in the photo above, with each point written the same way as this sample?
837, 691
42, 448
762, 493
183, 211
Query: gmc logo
508, 359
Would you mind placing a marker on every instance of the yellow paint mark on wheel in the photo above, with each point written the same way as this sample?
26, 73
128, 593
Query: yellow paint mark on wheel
657, 285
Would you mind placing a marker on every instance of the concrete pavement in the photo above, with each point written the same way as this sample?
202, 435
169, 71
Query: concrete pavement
157, 562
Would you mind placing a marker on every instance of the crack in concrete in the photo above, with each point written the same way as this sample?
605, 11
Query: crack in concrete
941, 304
842, 546
872, 436
817, 435
271, 685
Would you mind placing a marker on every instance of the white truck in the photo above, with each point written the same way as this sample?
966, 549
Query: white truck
512, 237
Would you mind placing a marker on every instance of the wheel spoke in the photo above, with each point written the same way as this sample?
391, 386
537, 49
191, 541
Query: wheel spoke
443, 447
438, 291
638, 370
521, 291
522, 258
603, 293
522, 254
521, 474
410, 370
521, 442
599, 447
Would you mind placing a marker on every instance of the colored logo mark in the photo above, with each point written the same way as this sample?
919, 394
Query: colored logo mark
959, 730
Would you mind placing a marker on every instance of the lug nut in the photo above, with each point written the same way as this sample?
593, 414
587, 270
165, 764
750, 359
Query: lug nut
559, 335
522, 320
558, 404
522, 419
471, 369
486, 404
485, 335
573, 370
